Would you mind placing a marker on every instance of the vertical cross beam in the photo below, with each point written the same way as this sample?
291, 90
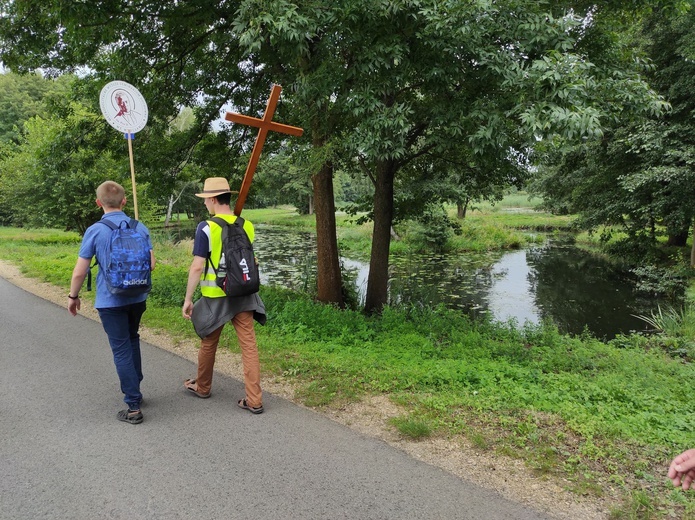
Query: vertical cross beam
264, 125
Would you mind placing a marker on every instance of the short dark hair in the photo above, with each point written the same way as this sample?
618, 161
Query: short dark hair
224, 199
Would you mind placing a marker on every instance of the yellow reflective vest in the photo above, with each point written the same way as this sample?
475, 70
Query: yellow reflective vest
208, 280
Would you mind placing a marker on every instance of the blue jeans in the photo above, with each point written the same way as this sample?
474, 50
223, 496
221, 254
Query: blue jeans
121, 325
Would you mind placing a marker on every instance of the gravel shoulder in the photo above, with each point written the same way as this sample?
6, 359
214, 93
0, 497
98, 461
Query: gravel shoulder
508, 477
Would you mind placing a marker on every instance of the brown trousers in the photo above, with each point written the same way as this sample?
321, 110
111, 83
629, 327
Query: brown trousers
243, 324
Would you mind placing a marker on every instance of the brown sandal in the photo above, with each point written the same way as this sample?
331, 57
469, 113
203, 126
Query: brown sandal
242, 404
189, 384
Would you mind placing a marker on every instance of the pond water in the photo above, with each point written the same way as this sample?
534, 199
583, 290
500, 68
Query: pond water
555, 281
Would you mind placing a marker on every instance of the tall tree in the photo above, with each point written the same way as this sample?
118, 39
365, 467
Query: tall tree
298, 43
641, 174
405, 79
55, 173
492, 78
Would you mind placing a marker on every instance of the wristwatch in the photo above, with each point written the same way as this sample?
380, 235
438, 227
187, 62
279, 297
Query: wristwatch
74, 297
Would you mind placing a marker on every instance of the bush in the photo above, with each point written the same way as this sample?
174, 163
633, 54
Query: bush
169, 286
434, 229
666, 281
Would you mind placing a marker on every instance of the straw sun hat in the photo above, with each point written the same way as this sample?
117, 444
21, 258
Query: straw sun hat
214, 186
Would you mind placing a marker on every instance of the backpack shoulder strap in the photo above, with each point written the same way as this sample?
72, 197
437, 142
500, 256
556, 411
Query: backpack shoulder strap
132, 224
111, 226
108, 223
219, 221
222, 223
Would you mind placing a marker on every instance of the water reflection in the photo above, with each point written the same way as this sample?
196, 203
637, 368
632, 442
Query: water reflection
556, 281
286, 258
574, 288
510, 294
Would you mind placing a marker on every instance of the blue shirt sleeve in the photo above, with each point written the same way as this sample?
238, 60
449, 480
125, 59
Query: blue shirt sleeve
201, 243
88, 247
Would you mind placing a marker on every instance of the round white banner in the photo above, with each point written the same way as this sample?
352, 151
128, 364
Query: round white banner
123, 107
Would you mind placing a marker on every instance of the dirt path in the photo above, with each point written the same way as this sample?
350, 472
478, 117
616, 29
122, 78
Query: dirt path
509, 477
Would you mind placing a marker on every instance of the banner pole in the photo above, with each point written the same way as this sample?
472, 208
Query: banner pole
132, 176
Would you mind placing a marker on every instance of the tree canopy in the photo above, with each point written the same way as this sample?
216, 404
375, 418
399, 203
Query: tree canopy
381, 87
23, 97
640, 176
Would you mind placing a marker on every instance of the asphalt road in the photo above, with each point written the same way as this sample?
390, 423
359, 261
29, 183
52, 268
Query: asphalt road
64, 455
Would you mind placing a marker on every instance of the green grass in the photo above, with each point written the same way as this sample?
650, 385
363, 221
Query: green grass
412, 428
517, 212
594, 415
514, 200
526, 221
285, 216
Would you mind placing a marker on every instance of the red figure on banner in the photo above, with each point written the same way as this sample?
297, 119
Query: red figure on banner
123, 109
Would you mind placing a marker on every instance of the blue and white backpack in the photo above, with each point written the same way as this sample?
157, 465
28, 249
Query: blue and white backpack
127, 269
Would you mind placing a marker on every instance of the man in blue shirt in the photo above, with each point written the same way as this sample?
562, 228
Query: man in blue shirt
119, 313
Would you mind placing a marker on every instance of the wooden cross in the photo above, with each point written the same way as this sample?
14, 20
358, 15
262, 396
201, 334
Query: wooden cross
266, 124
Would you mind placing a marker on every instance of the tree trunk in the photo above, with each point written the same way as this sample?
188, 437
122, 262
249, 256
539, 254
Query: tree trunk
692, 249
377, 282
330, 286
170, 208
462, 208
394, 235
678, 239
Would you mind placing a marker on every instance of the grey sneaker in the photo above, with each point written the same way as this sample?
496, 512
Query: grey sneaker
130, 416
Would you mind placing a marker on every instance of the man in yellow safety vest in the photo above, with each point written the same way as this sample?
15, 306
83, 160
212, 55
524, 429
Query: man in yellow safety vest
211, 312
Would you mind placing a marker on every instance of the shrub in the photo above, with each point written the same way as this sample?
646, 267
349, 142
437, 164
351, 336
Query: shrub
667, 281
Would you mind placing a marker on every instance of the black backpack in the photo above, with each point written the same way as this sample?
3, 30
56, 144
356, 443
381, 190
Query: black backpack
237, 272
127, 270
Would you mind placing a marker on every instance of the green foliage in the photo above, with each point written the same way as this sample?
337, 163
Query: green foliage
434, 229
462, 90
484, 235
24, 97
638, 177
169, 285
657, 280
411, 428
55, 175
489, 368
281, 182
64, 154
676, 328
412, 93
